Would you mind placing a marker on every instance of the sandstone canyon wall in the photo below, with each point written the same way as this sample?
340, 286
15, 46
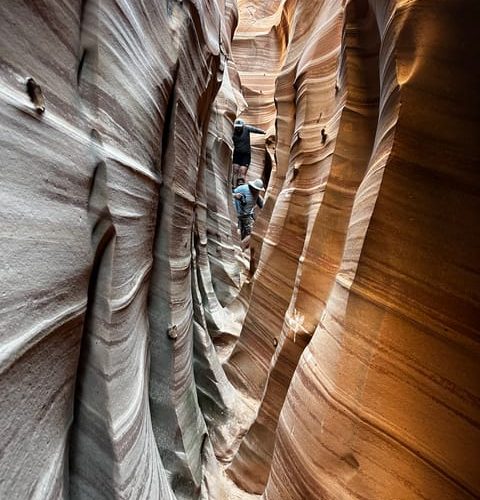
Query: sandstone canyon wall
360, 345
138, 355
104, 206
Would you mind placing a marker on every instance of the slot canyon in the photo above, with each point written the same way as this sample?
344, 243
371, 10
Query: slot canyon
144, 353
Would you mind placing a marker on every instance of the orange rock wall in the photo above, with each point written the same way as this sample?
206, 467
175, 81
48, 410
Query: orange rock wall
137, 357
368, 260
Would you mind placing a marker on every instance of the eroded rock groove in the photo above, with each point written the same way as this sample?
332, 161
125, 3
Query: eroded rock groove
143, 354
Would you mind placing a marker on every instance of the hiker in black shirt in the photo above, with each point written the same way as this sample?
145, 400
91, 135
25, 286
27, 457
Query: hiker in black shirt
242, 149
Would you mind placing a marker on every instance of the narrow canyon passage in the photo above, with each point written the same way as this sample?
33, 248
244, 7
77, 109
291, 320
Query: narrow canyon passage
144, 354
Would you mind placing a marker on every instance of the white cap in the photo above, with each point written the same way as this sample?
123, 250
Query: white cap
239, 123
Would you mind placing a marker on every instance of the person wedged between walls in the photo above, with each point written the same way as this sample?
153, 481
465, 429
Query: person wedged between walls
242, 151
246, 198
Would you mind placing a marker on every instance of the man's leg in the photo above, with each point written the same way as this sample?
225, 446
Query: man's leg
246, 224
235, 171
242, 172
245, 243
241, 225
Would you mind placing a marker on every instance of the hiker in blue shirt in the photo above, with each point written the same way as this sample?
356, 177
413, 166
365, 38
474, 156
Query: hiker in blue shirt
246, 197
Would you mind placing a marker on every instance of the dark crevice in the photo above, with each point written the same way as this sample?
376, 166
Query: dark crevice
80, 65
96, 137
267, 169
83, 4
103, 241
324, 136
168, 120
80, 425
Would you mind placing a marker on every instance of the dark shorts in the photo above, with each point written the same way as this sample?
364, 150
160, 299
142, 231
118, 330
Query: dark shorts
242, 159
245, 223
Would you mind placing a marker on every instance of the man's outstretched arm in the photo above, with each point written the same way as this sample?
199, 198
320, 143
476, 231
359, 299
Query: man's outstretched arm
255, 130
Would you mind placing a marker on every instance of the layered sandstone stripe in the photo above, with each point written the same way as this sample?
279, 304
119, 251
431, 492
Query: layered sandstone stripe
99, 202
356, 98
385, 400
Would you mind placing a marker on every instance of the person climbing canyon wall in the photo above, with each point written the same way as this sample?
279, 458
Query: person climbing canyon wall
139, 359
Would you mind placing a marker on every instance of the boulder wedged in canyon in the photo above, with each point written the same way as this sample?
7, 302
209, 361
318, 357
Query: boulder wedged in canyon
139, 353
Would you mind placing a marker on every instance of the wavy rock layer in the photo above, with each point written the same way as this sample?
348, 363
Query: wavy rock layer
136, 357
360, 345
110, 237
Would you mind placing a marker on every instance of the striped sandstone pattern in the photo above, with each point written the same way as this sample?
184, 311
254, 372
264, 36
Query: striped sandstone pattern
136, 358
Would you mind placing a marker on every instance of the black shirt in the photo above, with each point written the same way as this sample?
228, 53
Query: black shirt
241, 138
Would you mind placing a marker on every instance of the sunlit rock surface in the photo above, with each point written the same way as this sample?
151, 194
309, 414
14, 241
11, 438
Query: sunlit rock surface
371, 248
139, 356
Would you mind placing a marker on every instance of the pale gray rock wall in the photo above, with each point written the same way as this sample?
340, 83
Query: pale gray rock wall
108, 202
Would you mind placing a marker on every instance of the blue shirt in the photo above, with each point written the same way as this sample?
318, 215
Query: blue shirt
249, 200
